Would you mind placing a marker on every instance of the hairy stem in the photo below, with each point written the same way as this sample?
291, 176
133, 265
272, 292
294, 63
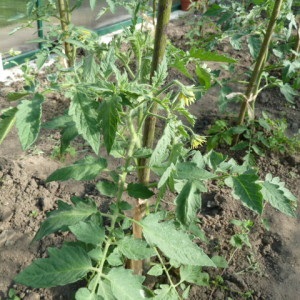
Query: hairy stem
163, 17
65, 20
251, 92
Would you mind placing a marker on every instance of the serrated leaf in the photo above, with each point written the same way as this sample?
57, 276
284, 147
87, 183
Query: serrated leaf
165, 236
188, 202
115, 258
194, 274
85, 169
90, 68
86, 294
254, 45
88, 232
68, 134
288, 92
104, 290
125, 285
220, 261
65, 215
84, 114
156, 270
64, 266
203, 77
190, 171
7, 121
180, 65
16, 95
247, 190
239, 240
210, 56
107, 188
214, 159
28, 120
136, 249
139, 191
161, 74
161, 151
166, 175
166, 292
109, 118
276, 197
142, 153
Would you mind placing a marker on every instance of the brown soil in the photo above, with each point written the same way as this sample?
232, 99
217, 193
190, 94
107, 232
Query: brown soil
270, 269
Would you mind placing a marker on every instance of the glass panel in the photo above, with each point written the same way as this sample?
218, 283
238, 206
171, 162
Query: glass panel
87, 18
12, 14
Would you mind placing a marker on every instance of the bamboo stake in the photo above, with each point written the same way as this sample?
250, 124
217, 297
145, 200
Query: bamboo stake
163, 17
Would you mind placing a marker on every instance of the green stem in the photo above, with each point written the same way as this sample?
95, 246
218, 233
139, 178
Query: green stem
65, 20
166, 271
163, 17
251, 92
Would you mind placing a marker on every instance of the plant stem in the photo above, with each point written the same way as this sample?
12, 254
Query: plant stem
163, 17
65, 20
297, 46
251, 92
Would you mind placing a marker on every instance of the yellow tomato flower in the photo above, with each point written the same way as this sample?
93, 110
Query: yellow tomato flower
197, 141
186, 99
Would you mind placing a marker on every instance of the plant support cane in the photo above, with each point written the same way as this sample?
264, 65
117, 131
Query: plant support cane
251, 92
65, 20
163, 17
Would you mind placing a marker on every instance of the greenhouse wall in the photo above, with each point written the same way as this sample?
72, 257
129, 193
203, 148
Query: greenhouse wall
13, 15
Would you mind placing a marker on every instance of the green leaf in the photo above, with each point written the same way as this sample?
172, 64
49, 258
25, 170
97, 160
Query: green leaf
220, 261
136, 249
115, 258
139, 191
247, 190
190, 171
203, 77
90, 68
161, 151
86, 294
288, 92
277, 196
88, 232
125, 285
68, 134
142, 153
194, 274
41, 58
188, 202
109, 117
156, 270
107, 188
161, 74
104, 290
254, 45
180, 65
16, 95
65, 215
166, 292
7, 121
239, 240
28, 121
93, 4
64, 266
170, 171
210, 56
85, 169
166, 237
84, 114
